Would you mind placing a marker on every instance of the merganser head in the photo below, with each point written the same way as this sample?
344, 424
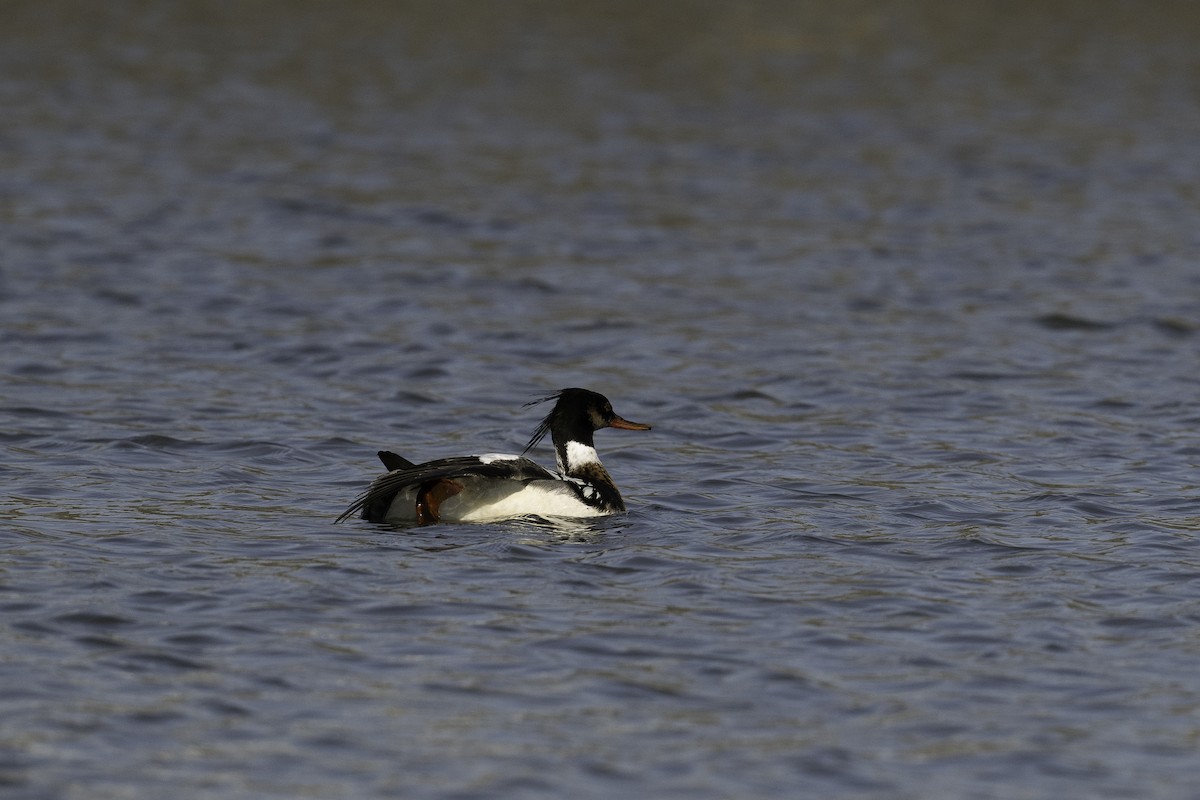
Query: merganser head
575, 417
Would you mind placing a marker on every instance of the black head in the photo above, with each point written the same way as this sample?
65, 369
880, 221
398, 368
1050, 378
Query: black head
576, 415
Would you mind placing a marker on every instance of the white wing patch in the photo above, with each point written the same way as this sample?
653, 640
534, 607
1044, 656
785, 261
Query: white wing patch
586, 489
492, 458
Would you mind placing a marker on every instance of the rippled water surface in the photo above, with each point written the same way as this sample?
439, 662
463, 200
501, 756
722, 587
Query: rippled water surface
910, 293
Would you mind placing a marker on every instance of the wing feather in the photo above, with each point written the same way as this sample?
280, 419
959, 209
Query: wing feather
384, 489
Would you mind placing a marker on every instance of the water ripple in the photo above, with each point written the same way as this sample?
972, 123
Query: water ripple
918, 514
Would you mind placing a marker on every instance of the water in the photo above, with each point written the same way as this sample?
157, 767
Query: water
909, 295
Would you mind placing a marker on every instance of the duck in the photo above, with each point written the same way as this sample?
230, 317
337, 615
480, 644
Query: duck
495, 486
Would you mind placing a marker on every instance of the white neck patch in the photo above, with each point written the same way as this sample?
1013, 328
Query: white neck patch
580, 454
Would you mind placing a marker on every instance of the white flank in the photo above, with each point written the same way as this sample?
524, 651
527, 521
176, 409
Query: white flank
489, 500
538, 498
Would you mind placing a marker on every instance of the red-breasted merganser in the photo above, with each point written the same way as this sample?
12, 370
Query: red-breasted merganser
493, 487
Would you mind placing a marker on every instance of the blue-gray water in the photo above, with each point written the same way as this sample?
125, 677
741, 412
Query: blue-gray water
910, 293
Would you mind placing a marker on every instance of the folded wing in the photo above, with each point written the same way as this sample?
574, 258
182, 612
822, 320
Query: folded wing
375, 501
